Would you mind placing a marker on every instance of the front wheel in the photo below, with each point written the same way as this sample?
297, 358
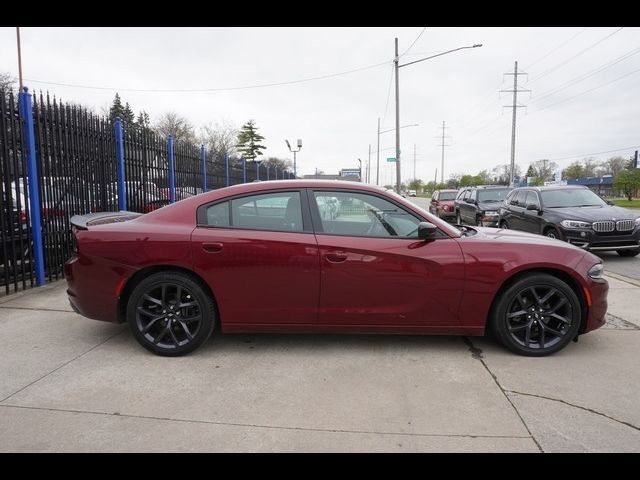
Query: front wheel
536, 316
552, 233
631, 252
170, 313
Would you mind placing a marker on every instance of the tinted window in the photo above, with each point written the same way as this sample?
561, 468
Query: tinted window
360, 214
518, 201
493, 194
218, 215
571, 198
280, 211
532, 199
447, 196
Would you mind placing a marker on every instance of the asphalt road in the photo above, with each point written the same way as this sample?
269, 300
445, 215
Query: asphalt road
628, 267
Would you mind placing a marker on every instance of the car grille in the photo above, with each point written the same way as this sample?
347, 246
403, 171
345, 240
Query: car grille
625, 225
606, 226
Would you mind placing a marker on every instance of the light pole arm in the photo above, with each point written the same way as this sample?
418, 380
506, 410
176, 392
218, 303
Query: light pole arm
439, 54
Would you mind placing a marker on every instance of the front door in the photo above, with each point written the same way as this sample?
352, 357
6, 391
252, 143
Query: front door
375, 271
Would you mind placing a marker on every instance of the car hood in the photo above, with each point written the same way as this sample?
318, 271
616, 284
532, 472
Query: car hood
594, 214
491, 205
517, 236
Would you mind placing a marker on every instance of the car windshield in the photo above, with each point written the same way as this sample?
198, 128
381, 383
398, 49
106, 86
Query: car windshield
493, 194
447, 195
571, 198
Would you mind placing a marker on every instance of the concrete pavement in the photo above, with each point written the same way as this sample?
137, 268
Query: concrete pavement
72, 384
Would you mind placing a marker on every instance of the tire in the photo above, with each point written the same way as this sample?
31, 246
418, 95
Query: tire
163, 327
632, 252
552, 233
536, 332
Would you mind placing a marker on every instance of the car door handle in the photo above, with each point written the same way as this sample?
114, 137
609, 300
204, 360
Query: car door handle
336, 257
212, 247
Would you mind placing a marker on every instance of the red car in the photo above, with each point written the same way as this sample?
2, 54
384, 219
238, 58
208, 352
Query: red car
442, 204
262, 257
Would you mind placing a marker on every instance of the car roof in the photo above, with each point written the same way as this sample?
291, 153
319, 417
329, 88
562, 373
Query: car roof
554, 187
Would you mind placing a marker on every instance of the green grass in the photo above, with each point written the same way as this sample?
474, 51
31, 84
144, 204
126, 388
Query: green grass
626, 203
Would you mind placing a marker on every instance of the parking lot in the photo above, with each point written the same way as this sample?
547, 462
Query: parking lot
72, 384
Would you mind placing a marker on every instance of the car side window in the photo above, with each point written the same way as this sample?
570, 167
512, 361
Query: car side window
532, 199
434, 197
473, 195
361, 214
278, 211
218, 215
519, 199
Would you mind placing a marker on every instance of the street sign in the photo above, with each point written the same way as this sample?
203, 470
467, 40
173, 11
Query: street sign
391, 159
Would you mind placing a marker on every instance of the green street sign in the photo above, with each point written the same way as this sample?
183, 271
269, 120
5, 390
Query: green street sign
391, 159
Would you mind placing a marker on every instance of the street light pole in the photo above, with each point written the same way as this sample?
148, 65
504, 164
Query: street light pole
360, 169
378, 156
397, 68
295, 171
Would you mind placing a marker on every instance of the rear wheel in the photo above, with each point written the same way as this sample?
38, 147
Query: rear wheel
170, 313
631, 252
537, 316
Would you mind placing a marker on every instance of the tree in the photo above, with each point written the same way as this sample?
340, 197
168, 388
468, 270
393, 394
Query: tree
531, 171
416, 184
573, 171
143, 119
249, 139
170, 123
220, 139
7, 82
281, 164
122, 111
613, 166
628, 181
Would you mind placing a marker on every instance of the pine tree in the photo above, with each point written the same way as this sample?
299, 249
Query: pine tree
249, 141
143, 119
129, 116
116, 110
531, 172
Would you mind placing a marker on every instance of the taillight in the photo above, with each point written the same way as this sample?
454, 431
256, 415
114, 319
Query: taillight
446, 208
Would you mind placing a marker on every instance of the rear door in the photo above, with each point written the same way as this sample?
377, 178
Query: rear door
531, 221
260, 256
376, 272
517, 208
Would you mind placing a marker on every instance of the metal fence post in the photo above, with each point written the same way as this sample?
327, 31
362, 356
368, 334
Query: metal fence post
267, 172
34, 188
244, 171
122, 192
226, 169
203, 152
276, 172
172, 179
257, 170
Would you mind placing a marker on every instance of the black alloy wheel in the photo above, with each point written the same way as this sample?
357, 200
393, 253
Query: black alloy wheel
538, 315
170, 313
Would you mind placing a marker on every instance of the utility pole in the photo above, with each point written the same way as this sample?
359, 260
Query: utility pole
378, 156
369, 163
398, 170
443, 145
515, 106
635, 162
414, 162
435, 177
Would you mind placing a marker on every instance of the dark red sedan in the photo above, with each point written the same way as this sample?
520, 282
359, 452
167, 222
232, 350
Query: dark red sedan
266, 257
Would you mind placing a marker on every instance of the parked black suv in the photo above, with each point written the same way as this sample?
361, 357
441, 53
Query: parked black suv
479, 205
574, 214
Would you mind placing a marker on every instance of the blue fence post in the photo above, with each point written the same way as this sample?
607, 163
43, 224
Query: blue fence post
172, 179
34, 188
226, 169
203, 153
244, 170
122, 191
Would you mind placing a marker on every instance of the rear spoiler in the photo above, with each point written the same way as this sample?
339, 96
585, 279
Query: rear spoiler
83, 222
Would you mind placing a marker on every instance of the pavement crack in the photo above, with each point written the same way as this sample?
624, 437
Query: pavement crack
63, 365
476, 353
254, 425
630, 425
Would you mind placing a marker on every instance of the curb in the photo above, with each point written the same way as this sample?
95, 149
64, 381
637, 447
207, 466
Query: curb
622, 278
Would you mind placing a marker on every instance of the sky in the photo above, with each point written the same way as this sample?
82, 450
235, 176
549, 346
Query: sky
584, 85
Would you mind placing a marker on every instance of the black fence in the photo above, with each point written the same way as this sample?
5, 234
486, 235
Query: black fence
77, 169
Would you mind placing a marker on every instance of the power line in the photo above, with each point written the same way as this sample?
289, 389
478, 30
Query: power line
204, 90
586, 91
596, 153
414, 42
563, 63
582, 77
556, 49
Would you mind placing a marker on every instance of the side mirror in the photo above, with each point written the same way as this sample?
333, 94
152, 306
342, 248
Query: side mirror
609, 202
470, 200
532, 206
426, 230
